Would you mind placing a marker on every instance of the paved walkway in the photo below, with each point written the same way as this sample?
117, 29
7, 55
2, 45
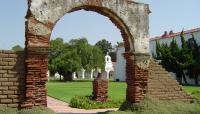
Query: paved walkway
63, 108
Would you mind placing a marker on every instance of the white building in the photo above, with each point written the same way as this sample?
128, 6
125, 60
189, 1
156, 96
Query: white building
120, 68
108, 65
167, 38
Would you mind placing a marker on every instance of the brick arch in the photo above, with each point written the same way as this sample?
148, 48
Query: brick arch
130, 17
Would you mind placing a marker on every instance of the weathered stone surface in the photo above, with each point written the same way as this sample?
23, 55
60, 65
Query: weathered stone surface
3, 79
3, 96
13, 105
142, 60
6, 83
6, 100
11, 72
40, 29
100, 88
134, 15
163, 87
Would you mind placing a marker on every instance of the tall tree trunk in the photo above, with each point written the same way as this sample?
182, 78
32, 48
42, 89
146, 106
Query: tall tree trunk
179, 77
196, 79
184, 77
67, 76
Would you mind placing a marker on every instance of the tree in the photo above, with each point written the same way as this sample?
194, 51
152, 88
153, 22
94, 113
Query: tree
105, 46
83, 50
97, 58
91, 56
63, 59
113, 56
55, 50
66, 58
17, 48
178, 60
194, 68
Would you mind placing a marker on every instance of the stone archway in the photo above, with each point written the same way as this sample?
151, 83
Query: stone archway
130, 17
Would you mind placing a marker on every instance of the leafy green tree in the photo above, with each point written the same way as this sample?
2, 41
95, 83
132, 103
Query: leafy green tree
17, 48
83, 50
97, 58
194, 68
105, 46
66, 58
63, 59
172, 57
91, 56
178, 60
56, 47
113, 56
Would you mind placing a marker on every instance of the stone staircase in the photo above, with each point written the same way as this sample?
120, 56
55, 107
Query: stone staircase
161, 85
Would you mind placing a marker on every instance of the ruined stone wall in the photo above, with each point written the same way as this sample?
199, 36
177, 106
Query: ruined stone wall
136, 77
162, 86
12, 78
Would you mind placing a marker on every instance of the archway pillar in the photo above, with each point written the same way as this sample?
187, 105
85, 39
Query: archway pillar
136, 76
36, 77
37, 50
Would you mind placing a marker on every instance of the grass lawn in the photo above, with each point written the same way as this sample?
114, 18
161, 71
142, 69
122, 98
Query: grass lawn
66, 90
34, 110
193, 90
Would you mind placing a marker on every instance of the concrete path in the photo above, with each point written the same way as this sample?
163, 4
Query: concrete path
61, 107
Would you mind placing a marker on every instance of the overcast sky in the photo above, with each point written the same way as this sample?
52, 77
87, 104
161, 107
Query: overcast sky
166, 15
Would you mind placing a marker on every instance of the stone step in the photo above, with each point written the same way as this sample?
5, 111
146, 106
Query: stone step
161, 84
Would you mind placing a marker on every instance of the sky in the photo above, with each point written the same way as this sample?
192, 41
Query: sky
166, 15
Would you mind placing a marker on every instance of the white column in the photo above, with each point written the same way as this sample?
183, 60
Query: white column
92, 74
83, 73
108, 74
48, 74
74, 75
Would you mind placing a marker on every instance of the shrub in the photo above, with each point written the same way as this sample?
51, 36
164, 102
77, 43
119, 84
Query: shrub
85, 102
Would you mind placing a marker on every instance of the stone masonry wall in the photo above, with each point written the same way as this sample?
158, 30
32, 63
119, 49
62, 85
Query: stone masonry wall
100, 89
12, 78
136, 77
162, 86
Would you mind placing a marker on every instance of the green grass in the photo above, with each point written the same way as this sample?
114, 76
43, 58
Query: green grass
154, 106
193, 90
65, 91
